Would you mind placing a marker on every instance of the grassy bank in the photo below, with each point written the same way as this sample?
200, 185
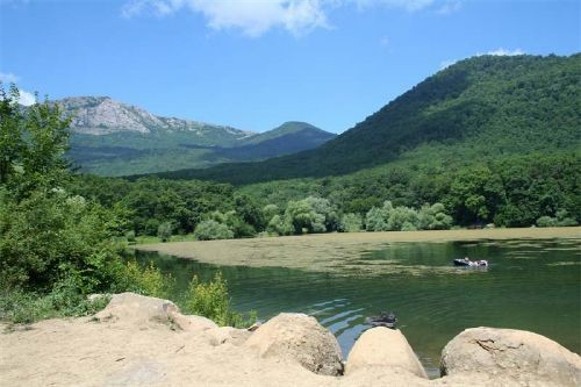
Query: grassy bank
326, 252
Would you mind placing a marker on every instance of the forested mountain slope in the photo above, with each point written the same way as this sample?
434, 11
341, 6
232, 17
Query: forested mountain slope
485, 107
113, 138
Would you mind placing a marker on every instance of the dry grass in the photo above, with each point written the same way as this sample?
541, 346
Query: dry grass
328, 252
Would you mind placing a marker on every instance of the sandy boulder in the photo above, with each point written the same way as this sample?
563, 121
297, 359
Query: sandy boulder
523, 356
383, 347
145, 312
300, 338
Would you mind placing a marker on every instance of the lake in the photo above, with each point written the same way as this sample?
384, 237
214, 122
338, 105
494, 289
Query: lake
532, 285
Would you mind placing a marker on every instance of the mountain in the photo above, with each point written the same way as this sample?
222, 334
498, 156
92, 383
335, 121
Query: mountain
482, 108
290, 137
112, 138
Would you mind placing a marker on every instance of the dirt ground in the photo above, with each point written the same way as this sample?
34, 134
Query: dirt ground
328, 252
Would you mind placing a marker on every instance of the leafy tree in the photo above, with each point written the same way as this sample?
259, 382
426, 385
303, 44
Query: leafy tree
311, 215
402, 219
433, 217
211, 229
32, 144
164, 231
376, 219
280, 225
475, 195
350, 223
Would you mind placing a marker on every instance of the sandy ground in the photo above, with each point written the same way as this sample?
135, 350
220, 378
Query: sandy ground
86, 352
83, 353
333, 252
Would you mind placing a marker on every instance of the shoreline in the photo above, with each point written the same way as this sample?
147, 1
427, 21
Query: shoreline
327, 252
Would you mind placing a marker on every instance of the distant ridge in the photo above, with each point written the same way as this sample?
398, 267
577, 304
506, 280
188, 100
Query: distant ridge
113, 138
479, 108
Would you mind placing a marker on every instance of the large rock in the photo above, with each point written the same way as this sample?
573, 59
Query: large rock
144, 312
523, 356
300, 338
383, 347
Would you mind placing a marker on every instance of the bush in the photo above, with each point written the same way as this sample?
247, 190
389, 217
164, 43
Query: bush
211, 300
130, 236
19, 307
211, 230
148, 281
351, 223
164, 231
546, 221
376, 220
49, 236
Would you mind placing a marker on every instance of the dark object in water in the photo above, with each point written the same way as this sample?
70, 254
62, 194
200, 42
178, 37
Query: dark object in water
385, 319
468, 263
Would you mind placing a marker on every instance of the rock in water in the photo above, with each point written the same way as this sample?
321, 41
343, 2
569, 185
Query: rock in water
525, 357
298, 337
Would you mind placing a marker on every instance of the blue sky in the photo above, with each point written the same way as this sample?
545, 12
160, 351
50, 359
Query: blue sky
255, 64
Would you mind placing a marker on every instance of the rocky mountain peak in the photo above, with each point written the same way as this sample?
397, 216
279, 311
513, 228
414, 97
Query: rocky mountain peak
103, 115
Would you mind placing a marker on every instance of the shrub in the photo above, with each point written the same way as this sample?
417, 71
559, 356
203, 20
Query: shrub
130, 236
376, 220
148, 281
351, 223
164, 231
211, 300
546, 221
211, 229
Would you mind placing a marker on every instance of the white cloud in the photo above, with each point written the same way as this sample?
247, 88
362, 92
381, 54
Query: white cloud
26, 98
447, 63
408, 5
498, 52
449, 7
503, 52
252, 17
255, 17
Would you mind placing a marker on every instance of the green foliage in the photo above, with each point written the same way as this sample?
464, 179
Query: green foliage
211, 230
376, 219
475, 195
32, 144
434, 218
148, 280
310, 215
58, 244
164, 231
402, 218
127, 153
562, 219
279, 225
546, 221
211, 300
350, 223
478, 110
19, 307
48, 237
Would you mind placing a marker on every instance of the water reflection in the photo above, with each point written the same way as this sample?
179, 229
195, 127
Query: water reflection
531, 285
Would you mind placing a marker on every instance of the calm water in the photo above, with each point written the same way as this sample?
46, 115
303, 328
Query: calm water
530, 285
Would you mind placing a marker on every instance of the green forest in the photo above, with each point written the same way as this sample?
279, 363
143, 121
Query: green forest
488, 142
